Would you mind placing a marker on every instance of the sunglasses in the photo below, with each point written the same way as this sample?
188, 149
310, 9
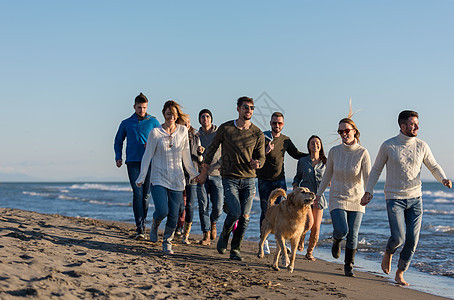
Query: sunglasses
277, 123
340, 131
170, 141
251, 107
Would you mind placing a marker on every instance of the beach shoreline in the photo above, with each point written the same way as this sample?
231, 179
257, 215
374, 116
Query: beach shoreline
53, 256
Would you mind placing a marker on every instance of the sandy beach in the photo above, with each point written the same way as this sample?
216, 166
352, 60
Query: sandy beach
51, 256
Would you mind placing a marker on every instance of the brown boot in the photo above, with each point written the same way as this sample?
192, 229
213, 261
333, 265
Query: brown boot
186, 230
206, 239
213, 231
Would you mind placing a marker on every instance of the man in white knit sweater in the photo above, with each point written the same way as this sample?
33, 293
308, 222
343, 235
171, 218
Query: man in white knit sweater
403, 156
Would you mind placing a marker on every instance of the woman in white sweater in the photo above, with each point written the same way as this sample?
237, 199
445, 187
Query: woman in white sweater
347, 169
167, 150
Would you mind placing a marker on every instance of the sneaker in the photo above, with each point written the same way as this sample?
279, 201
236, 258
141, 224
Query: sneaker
140, 236
266, 248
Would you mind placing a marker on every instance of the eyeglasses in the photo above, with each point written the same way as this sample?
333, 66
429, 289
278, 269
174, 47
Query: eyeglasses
277, 123
340, 131
251, 107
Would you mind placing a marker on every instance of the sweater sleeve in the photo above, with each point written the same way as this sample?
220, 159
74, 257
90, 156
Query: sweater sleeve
211, 151
259, 151
298, 175
326, 179
118, 142
365, 167
147, 156
380, 161
293, 151
187, 161
431, 164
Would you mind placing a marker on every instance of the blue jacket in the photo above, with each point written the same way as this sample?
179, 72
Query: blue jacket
136, 133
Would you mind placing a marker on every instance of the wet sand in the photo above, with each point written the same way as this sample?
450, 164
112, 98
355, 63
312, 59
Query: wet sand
52, 256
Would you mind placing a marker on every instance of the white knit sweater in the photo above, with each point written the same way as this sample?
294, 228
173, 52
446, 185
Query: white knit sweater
347, 168
403, 157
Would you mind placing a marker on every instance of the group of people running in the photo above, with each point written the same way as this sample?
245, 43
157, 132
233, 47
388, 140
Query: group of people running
178, 164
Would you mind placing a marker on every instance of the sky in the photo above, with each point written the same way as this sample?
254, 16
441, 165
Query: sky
70, 72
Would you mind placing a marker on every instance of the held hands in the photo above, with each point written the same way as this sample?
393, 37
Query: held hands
447, 183
255, 164
202, 177
317, 199
366, 198
139, 184
269, 148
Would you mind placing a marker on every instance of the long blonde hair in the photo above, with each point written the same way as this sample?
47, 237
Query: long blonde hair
182, 118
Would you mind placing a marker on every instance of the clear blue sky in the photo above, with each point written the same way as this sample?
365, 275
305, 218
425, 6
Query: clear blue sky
70, 71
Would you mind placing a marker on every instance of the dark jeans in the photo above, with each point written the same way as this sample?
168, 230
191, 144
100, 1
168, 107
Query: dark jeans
141, 195
238, 194
212, 188
265, 189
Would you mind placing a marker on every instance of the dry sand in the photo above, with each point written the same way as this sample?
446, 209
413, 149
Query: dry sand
52, 256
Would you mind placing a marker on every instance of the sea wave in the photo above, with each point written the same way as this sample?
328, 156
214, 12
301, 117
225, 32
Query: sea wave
439, 212
441, 200
438, 194
68, 197
101, 187
108, 203
442, 228
36, 194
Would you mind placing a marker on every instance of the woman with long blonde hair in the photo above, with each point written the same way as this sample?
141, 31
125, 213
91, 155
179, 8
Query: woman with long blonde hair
167, 150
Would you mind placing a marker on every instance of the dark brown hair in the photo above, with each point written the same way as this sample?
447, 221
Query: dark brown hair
243, 99
405, 115
141, 98
322, 152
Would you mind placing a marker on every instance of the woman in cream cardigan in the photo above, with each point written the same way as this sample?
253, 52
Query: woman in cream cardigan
167, 150
347, 169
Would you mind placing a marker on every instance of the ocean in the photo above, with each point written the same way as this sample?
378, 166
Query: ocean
432, 268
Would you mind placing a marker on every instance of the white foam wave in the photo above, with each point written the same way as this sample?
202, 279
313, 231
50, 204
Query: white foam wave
441, 200
35, 194
438, 194
108, 203
102, 187
68, 197
439, 212
441, 228
364, 242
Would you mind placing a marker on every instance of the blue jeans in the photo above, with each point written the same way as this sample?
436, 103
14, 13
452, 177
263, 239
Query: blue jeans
405, 217
191, 192
238, 194
265, 189
141, 195
346, 224
167, 203
213, 188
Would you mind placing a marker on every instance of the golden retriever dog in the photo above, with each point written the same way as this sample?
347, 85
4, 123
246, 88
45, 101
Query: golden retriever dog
287, 221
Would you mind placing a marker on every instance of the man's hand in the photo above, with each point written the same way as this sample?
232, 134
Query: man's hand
202, 177
366, 198
255, 164
269, 148
119, 163
447, 183
139, 184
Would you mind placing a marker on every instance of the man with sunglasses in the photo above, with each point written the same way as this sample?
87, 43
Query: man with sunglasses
242, 153
272, 176
403, 156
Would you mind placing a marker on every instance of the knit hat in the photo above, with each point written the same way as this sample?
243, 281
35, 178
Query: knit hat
207, 111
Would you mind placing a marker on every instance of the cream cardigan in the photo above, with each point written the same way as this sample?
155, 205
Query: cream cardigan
347, 169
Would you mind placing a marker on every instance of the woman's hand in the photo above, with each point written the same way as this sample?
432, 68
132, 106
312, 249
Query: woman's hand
366, 198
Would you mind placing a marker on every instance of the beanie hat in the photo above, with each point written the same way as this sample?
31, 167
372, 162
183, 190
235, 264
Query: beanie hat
207, 111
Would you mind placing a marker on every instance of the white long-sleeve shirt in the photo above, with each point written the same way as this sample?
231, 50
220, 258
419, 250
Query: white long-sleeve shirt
403, 157
167, 153
347, 169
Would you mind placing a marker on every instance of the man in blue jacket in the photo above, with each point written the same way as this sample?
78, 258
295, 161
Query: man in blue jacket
136, 129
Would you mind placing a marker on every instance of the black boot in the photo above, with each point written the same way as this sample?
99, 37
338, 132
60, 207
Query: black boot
349, 262
336, 248
224, 239
237, 238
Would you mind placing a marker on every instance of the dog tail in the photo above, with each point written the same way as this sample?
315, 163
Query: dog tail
274, 195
